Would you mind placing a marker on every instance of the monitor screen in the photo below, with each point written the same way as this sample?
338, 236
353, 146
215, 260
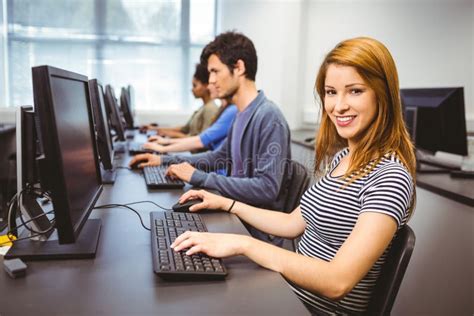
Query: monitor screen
114, 113
440, 120
62, 104
126, 108
101, 122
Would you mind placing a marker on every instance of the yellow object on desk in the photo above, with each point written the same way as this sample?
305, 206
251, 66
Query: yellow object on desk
6, 240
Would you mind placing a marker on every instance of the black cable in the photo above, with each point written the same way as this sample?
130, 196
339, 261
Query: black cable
15, 206
31, 230
126, 206
15, 240
10, 232
39, 193
147, 201
23, 223
123, 167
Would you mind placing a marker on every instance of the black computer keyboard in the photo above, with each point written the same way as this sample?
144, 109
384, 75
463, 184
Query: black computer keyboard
155, 178
137, 148
171, 265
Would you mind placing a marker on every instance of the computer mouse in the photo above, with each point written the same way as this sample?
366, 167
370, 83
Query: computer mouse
184, 207
134, 166
154, 124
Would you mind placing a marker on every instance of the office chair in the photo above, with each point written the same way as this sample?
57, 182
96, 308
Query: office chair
391, 277
297, 185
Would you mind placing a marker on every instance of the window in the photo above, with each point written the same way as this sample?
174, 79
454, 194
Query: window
152, 45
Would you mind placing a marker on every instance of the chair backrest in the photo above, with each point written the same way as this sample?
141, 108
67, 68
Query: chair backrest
297, 185
391, 277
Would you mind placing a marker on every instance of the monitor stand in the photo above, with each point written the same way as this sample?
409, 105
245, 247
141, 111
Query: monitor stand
85, 246
130, 133
429, 163
120, 147
108, 176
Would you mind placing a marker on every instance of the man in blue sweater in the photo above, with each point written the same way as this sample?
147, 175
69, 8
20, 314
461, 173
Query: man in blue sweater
257, 149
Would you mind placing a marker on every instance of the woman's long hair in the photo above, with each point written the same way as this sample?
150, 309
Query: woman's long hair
387, 134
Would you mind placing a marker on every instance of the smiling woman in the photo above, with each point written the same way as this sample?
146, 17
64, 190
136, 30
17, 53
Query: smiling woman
367, 82
367, 190
349, 102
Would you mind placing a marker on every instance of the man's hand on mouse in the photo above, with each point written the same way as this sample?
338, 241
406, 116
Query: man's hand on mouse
183, 171
210, 201
144, 160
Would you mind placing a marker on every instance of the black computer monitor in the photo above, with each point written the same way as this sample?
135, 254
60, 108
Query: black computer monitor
131, 97
114, 113
103, 138
436, 120
126, 108
67, 165
28, 174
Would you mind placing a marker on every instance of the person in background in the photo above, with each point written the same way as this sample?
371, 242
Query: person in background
256, 152
201, 118
211, 138
365, 194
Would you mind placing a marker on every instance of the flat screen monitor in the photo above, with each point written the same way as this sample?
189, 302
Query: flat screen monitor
436, 120
28, 172
131, 97
103, 135
101, 123
67, 164
126, 108
114, 113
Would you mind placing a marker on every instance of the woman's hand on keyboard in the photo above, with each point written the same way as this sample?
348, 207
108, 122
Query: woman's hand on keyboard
212, 244
209, 201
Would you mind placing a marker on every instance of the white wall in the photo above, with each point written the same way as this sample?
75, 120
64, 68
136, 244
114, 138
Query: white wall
276, 29
431, 41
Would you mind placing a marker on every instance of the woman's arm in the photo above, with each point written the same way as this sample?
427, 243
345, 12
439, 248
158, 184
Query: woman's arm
370, 237
182, 144
271, 222
168, 129
173, 133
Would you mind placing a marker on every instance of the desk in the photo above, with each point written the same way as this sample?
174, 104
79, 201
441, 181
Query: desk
120, 280
457, 189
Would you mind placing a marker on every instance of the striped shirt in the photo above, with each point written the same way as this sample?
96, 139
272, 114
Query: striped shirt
331, 212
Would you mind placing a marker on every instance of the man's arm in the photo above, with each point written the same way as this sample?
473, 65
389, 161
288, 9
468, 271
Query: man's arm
264, 186
210, 160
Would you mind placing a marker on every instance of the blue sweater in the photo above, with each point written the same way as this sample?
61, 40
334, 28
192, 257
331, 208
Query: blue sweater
265, 151
215, 135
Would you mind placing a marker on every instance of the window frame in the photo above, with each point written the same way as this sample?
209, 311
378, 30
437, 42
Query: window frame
98, 41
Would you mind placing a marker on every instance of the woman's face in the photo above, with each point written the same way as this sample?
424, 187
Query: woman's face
350, 103
199, 88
